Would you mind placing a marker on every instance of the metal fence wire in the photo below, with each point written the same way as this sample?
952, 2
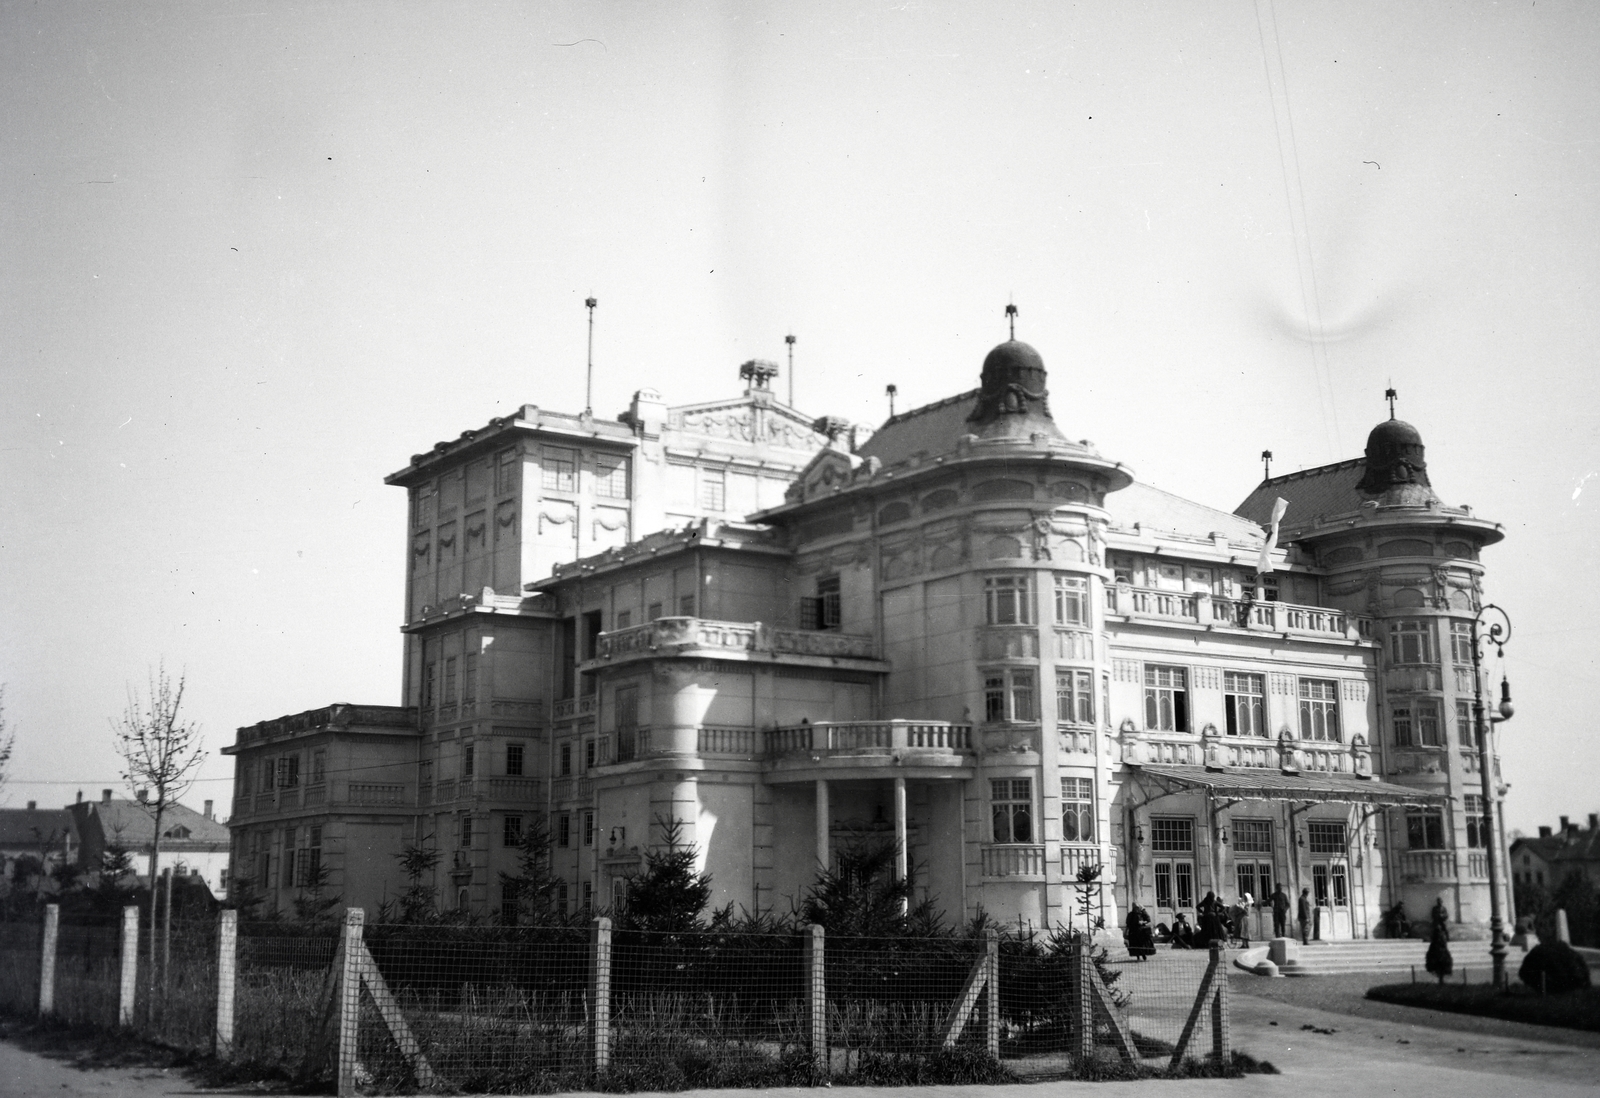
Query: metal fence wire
176, 1000
19, 966
88, 969
281, 989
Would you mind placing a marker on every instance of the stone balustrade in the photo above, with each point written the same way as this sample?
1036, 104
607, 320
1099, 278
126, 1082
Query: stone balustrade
869, 738
1200, 608
377, 793
702, 636
1428, 865
1013, 860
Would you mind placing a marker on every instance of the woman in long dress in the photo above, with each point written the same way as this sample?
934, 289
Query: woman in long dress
1141, 942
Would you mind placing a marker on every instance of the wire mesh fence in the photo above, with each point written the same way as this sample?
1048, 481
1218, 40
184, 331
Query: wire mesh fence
176, 999
19, 966
281, 990
88, 969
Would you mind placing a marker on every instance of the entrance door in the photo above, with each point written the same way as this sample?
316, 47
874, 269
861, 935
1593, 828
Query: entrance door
1174, 889
1330, 888
1255, 877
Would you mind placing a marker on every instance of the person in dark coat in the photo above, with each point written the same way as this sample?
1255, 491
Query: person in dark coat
1303, 913
1182, 932
1440, 915
1280, 913
1209, 913
1141, 942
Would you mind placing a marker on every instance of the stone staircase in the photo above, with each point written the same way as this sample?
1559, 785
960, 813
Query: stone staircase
1331, 958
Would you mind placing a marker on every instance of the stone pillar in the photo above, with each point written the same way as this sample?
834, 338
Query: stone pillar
902, 855
824, 855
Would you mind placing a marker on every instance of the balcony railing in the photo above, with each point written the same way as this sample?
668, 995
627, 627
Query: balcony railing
316, 794
669, 636
512, 789
561, 790
1077, 856
1013, 860
712, 740
1477, 865
1199, 608
568, 708
869, 737
377, 793
1428, 865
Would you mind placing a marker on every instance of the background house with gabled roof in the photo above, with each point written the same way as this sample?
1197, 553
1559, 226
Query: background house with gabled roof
192, 843
34, 841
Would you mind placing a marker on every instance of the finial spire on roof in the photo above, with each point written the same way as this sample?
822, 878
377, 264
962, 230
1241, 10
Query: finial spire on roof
1011, 318
588, 390
1390, 395
1266, 465
892, 390
789, 339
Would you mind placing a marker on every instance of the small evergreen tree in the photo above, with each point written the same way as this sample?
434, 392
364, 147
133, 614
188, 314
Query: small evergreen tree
859, 896
1439, 961
419, 904
533, 890
669, 895
314, 904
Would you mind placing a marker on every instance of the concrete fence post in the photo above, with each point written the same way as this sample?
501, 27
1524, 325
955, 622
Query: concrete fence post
47, 959
991, 1017
350, 999
817, 995
600, 994
129, 989
1221, 1032
227, 967
1082, 1001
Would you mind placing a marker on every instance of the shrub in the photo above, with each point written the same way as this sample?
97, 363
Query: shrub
1554, 968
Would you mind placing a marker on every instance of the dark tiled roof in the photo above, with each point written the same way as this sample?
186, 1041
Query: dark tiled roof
932, 429
1275, 785
1157, 510
132, 824
1325, 490
27, 827
1584, 846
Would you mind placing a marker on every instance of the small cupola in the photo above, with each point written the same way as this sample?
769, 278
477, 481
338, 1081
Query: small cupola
1013, 402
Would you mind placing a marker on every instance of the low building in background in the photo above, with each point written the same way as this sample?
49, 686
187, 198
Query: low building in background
193, 844
34, 843
1558, 853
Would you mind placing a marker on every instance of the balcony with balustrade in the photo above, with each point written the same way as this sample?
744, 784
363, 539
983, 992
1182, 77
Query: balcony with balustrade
1206, 611
743, 641
870, 749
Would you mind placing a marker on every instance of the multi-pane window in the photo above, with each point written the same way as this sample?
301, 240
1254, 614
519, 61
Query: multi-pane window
1074, 696
1011, 802
1425, 829
825, 611
1466, 727
624, 618
450, 696
464, 831
1405, 732
588, 828
588, 755
288, 857
1072, 600
469, 756
611, 477
1244, 703
1429, 732
511, 831
469, 677
560, 472
1461, 642
1166, 699
1319, 710
1008, 600
505, 472
1009, 696
288, 771
1172, 834
1252, 836
1411, 641
713, 489
319, 766
1325, 836
1077, 810
564, 829
514, 760
564, 758
1477, 821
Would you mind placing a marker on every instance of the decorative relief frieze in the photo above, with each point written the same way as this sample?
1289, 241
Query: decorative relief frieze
1282, 684
1354, 690
1125, 670
1207, 678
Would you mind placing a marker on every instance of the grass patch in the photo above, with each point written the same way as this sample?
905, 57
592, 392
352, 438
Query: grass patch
1570, 1010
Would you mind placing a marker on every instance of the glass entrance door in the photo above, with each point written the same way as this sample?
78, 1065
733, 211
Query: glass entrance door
1254, 876
1174, 889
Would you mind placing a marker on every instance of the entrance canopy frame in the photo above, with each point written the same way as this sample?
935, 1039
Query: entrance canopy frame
1274, 785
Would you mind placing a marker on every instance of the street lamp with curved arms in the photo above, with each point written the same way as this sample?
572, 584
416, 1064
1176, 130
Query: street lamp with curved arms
1486, 630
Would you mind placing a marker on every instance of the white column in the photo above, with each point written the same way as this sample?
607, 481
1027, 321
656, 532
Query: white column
902, 856
823, 853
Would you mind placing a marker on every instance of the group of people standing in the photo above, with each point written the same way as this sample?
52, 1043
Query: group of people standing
1218, 922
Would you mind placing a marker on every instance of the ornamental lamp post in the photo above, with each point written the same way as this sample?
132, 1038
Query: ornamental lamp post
1484, 632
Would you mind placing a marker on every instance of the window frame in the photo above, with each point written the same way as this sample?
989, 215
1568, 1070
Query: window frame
516, 758
1320, 718
1010, 695
609, 470
1426, 824
1077, 810
1011, 810
1461, 642
558, 469
1071, 602
1254, 827
711, 489
1412, 643
1075, 704
1008, 599
1166, 703
1319, 833
1171, 826
1253, 711
511, 827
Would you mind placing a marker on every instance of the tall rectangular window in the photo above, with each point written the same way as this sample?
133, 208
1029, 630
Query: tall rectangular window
289, 772
469, 677
1072, 600
1166, 699
1429, 730
624, 619
588, 754
1319, 710
511, 831
1009, 695
560, 472
564, 829
1008, 600
686, 606
1477, 823
713, 489
464, 831
450, 680
514, 760
505, 472
319, 766
1011, 802
1074, 696
1405, 733
1466, 727
627, 707
1411, 641
1461, 643
654, 611
564, 758
288, 857
611, 477
1425, 829
588, 828
468, 758
1244, 703
1077, 810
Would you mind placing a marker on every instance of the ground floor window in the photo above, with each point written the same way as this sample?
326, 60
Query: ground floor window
1174, 884
1329, 884
1425, 829
1011, 802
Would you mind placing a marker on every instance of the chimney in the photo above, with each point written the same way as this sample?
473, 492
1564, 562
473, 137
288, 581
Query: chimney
207, 812
32, 805
144, 795
1572, 831
1594, 821
80, 796
105, 796
1564, 823
1544, 833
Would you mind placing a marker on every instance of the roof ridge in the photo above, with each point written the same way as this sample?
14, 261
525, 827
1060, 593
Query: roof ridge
1301, 474
924, 409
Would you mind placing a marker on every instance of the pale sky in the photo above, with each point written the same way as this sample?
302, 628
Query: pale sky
256, 255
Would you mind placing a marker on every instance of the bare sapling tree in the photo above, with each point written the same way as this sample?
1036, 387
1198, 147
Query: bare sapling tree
161, 755
8, 743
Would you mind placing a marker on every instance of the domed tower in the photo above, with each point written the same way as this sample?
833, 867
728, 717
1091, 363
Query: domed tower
1408, 566
1013, 402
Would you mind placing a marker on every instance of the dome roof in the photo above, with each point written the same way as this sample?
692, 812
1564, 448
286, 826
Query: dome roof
1012, 356
1393, 432
1013, 402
